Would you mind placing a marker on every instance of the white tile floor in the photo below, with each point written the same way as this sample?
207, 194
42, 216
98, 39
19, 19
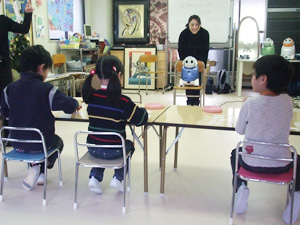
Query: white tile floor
199, 192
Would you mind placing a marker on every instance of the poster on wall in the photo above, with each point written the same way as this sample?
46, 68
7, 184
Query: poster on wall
60, 15
15, 9
132, 77
40, 26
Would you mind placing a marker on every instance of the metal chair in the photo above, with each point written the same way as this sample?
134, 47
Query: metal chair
88, 161
150, 59
178, 68
59, 67
287, 178
27, 158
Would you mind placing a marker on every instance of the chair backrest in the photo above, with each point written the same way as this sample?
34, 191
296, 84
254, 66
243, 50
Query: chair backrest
24, 130
148, 58
80, 140
178, 68
59, 60
263, 157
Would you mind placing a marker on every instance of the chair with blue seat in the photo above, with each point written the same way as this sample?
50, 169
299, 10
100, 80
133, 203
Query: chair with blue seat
85, 159
13, 155
287, 178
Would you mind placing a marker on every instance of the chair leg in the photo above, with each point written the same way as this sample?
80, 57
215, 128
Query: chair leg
76, 185
45, 183
174, 96
233, 198
124, 190
2, 178
292, 201
129, 173
59, 169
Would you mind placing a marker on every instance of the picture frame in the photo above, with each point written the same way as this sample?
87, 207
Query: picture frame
131, 67
131, 22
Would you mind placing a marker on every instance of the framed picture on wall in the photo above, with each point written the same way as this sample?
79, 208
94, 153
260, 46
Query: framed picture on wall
131, 68
131, 21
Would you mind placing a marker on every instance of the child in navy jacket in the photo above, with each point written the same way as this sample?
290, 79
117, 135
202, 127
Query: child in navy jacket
28, 102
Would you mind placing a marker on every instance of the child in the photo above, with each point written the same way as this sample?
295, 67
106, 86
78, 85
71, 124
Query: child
109, 111
267, 118
28, 102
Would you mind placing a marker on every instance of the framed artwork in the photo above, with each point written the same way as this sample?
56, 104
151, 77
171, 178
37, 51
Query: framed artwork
15, 9
131, 68
131, 21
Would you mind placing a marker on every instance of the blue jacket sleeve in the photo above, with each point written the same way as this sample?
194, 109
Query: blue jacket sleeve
60, 101
4, 108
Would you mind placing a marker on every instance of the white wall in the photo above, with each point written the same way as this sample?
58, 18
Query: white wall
50, 46
98, 14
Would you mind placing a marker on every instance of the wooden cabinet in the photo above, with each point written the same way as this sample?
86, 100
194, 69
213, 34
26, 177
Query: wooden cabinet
161, 65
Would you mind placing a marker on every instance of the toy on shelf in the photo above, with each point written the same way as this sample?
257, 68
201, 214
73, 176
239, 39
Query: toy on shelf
189, 72
268, 47
288, 49
71, 43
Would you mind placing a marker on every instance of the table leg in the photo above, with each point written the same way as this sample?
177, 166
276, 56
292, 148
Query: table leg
5, 169
239, 78
160, 145
163, 161
145, 159
176, 149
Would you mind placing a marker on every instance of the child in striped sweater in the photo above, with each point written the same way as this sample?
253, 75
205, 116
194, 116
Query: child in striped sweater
109, 111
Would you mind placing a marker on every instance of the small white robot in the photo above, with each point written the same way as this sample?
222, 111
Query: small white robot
288, 49
268, 48
189, 72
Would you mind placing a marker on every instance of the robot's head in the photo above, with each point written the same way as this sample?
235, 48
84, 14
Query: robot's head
190, 62
288, 42
268, 42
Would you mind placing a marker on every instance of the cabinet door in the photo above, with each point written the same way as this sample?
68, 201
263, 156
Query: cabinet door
161, 66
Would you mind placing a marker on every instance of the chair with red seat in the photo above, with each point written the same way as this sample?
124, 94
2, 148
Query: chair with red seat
287, 178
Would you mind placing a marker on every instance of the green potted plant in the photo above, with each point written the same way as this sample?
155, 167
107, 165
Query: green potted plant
17, 45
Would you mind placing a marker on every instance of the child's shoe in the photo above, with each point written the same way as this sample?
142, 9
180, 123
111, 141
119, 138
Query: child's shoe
241, 203
95, 186
32, 175
296, 209
115, 183
41, 179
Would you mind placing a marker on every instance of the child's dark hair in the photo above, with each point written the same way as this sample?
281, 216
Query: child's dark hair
194, 17
34, 56
107, 67
278, 70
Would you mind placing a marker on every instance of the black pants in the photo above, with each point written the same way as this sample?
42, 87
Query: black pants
262, 169
193, 100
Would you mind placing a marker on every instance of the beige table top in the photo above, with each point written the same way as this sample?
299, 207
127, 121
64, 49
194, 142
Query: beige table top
55, 77
195, 117
82, 115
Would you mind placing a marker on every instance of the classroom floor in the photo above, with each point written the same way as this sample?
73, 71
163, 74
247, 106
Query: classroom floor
199, 192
